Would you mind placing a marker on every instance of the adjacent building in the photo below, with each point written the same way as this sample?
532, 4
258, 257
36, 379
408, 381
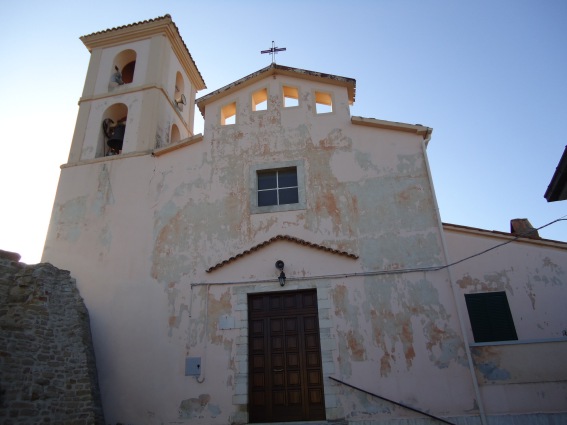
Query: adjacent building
289, 264
557, 189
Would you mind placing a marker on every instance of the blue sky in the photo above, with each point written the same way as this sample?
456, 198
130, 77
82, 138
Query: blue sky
490, 78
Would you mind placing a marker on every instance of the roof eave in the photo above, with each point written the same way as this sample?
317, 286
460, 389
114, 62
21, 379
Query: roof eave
396, 126
458, 228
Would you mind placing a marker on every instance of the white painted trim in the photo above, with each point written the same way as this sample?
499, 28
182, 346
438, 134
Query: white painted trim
106, 158
181, 144
518, 342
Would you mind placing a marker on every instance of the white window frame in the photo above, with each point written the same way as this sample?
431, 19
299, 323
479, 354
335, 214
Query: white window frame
274, 166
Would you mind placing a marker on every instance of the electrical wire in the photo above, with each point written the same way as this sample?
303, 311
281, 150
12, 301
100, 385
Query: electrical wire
507, 242
394, 271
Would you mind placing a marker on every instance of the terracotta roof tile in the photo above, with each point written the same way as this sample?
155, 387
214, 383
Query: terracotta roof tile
159, 18
276, 238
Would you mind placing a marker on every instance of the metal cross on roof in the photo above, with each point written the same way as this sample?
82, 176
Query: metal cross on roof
273, 51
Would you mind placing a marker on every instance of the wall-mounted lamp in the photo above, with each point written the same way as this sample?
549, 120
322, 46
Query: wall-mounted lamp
281, 278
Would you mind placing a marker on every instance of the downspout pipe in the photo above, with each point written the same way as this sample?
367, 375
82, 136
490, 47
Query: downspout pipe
454, 290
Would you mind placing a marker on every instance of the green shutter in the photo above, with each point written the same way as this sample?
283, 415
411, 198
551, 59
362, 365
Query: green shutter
490, 316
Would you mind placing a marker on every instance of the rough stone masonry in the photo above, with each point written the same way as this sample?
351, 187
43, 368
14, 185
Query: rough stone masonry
47, 365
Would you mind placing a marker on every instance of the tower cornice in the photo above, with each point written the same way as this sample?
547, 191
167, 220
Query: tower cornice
163, 25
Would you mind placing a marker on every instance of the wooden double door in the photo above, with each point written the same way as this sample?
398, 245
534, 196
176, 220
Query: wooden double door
285, 373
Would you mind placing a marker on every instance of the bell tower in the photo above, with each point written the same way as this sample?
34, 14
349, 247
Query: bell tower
139, 91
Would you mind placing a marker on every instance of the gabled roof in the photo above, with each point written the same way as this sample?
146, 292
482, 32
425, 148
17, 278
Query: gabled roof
279, 238
448, 227
274, 69
145, 29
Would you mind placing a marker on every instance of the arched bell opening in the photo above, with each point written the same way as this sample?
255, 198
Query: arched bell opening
113, 129
179, 96
128, 72
175, 134
123, 69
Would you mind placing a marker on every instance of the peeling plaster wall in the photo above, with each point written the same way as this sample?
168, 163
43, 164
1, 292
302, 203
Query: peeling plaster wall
353, 349
394, 332
532, 274
137, 232
361, 183
528, 375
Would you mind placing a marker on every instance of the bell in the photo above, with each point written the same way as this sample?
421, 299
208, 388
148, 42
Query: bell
117, 139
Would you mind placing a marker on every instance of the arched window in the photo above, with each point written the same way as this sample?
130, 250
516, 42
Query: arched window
175, 135
123, 68
113, 129
179, 96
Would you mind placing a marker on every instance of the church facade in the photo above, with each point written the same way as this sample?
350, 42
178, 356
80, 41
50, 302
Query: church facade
289, 264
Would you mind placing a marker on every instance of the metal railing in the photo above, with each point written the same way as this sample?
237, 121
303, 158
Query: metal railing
405, 406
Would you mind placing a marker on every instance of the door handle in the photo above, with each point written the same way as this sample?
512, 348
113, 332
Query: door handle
278, 370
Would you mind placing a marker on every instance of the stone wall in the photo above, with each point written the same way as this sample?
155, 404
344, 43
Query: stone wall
47, 364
